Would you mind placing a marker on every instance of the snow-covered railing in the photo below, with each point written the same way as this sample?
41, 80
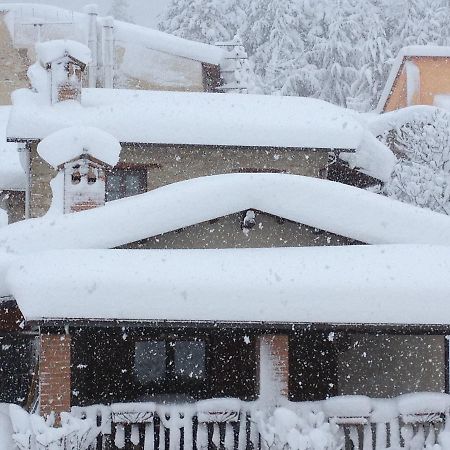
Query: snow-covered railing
412, 421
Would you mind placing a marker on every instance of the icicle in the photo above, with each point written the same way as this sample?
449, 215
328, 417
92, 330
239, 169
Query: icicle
134, 434
202, 436
119, 439
431, 438
254, 435
242, 444
229, 437
367, 438
447, 420
418, 441
394, 433
380, 436
407, 434
162, 434
216, 435
149, 438
174, 437
354, 437
188, 429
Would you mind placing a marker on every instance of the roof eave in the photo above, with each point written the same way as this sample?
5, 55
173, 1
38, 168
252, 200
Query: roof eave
394, 328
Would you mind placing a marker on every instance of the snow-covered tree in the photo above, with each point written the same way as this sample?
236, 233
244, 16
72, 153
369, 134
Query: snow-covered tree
207, 21
422, 175
376, 58
119, 10
337, 50
282, 57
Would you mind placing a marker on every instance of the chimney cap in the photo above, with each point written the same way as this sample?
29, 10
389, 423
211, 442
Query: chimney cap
50, 51
71, 143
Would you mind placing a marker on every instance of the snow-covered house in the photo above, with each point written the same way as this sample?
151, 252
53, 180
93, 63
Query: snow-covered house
211, 284
124, 55
419, 76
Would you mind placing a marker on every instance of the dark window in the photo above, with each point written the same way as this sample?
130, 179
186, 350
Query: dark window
125, 182
17, 361
169, 360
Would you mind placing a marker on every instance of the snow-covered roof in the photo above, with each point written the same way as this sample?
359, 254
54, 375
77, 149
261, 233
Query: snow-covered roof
50, 51
69, 143
191, 118
405, 52
125, 34
335, 207
364, 284
12, 174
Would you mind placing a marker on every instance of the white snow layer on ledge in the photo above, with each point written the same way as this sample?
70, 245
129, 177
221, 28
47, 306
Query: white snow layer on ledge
364, 284
334, 207
12, 174
192, 118
69, 143
52, 50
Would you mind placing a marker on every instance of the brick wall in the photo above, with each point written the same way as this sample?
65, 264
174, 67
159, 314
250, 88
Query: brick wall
274, 367
54, 373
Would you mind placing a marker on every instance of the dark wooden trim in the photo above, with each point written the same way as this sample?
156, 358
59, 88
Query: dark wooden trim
206, 146
266, 327
446, 363
133, 166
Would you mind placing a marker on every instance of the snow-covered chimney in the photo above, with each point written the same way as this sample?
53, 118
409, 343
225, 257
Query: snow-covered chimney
92, 12
65, 61
108, 51
235, 70
81, 155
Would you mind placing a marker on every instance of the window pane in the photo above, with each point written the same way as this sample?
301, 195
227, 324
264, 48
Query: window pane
133, 183
150, 361
190, 359
113, 187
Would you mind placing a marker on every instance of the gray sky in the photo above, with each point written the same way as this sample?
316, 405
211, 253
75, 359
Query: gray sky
144, 12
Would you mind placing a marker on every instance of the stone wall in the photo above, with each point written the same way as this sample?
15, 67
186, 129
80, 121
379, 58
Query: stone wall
13, 65
170, 164
226, 232
13, 202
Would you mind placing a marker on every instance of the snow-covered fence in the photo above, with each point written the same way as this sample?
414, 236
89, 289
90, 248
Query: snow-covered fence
410, 422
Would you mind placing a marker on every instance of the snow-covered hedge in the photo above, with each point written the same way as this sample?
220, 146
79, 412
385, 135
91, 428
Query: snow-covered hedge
420, 136
287, 430
33, 432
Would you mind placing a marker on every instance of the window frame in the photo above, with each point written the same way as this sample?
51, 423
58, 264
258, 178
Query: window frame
171, 381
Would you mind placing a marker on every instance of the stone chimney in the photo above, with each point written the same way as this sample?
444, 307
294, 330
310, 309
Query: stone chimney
65, 62
84, 184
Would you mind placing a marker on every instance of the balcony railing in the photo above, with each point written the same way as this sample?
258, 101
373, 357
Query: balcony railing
411, 422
